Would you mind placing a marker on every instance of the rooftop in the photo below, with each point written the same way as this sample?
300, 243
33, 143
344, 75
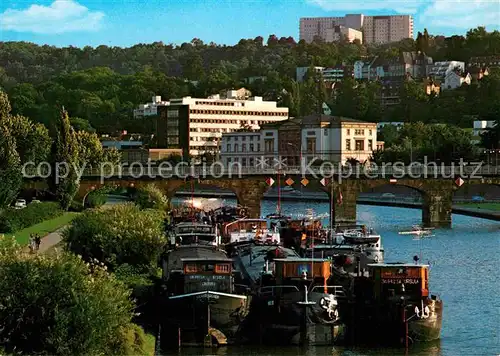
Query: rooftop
396, 264
299, 259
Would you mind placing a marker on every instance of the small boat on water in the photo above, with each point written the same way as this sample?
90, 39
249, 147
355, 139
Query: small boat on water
192, 232
246, 230
418, 231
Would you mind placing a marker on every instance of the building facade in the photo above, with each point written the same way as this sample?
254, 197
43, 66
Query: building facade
439, 70
375, 29
196, 125
340, 33
151, 108
454, 80
302, 140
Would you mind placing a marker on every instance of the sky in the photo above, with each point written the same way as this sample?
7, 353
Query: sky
128, 22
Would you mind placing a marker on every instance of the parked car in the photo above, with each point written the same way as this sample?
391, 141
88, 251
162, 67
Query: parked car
477, 198
35, 201
20, 204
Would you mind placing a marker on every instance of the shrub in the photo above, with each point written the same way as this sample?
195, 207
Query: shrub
122, 234
12, 220
98, 197
63, 306
150, 197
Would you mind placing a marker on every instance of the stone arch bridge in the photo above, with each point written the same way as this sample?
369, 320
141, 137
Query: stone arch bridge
249, 189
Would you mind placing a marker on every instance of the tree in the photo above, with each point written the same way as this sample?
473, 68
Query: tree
193, 67
10, 167
123, 234
388, 134
65, 162
81, 124
62, 306
90, 151
32, 139
150, 197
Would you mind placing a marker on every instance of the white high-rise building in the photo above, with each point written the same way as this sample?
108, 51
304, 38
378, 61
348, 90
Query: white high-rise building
196, 125
376, 29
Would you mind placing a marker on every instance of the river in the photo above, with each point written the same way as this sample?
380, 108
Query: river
465, 273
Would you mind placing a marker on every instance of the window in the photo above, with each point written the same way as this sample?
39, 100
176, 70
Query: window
360, 145
348, 144
251, 147
250, 162
173, 113
269, 134
223, 268
348, 132
243, 161
370, 132
370, 145
326, 132
359, 132
228, 148
269, 145
311, 145
236, 147
311, 133
244, 147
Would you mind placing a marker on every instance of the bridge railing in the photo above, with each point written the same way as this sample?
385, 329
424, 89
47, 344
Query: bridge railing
327, 170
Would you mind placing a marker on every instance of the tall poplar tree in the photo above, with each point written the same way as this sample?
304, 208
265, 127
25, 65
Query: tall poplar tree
10, 163
65, 156
10, 167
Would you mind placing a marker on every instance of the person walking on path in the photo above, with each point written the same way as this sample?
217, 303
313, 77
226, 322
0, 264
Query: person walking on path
38, 240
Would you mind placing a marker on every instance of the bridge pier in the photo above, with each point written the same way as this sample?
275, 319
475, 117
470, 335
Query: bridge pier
436, 209
343, 204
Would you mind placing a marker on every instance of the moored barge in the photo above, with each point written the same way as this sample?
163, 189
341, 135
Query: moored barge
201, 306
393, 305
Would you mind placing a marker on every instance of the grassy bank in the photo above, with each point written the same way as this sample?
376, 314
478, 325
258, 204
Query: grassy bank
482, 206
43, 228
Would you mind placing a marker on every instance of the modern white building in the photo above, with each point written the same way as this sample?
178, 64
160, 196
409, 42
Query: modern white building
196, 124
315, 137
151, 108
376, 29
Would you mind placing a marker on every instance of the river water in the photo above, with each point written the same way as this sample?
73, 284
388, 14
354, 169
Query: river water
465, 273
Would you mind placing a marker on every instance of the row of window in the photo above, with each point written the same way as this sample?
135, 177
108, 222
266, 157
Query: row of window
248, 113
219, 103
359, 145
236, 148
243, 138
244, 161
224, 121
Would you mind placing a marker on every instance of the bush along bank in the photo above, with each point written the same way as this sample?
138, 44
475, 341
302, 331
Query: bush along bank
12, 220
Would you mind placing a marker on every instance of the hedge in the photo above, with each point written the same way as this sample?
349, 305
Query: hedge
12, 220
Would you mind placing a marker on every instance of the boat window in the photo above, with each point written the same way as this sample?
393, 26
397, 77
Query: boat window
209, 268
191, 268
222, 268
